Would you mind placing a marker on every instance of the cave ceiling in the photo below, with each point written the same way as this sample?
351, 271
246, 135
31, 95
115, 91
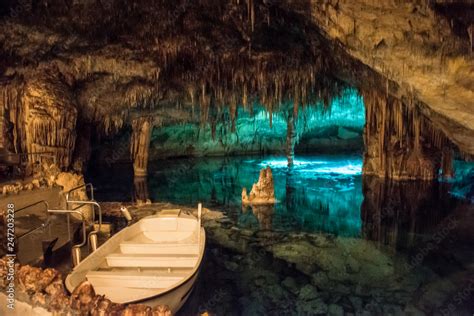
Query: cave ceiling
110, 60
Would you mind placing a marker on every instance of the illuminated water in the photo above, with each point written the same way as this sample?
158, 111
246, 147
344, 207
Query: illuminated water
412, 251
320, 193
317, 194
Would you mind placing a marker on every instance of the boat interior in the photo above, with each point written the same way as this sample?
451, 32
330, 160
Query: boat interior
148, 258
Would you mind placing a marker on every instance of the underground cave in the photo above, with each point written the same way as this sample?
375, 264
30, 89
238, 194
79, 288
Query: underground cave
236, 157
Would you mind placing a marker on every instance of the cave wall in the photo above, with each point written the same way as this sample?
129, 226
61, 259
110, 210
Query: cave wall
400, 143
68, 65
426, 52
43, 114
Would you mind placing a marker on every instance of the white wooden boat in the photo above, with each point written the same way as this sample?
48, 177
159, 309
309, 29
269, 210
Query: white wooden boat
154, 261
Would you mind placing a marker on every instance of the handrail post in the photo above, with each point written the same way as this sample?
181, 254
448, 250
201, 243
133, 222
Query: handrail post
199, 223
76, 249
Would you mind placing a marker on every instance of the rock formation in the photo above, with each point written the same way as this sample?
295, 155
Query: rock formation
140, 145
45, 288
68, 67
400, 143
263, 192
422, 48
43, 113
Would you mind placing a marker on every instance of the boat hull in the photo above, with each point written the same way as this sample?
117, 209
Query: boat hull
175, 298
138, 293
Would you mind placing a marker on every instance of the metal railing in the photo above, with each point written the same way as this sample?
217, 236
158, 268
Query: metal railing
43, 225
75, 205
75, 248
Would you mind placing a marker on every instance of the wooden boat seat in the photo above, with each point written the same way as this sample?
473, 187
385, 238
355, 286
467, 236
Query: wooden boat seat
151, 260
133, 247
135, 279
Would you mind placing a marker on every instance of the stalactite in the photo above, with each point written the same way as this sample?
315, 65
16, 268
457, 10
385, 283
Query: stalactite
395, 149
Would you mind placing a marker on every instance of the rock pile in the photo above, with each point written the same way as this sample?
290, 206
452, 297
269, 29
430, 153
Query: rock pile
45, 288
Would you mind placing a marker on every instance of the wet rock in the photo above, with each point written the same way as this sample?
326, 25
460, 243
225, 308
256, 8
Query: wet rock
38, 299
335, 310
435, 294
136, 310
356, 302
290, 284
321, 280
308, 293
313, 307
100, 306
82, 297
31, 279
275, 293
391, 309
161, 310
36, 183
250, 306
230, 265
344, 133
352, 265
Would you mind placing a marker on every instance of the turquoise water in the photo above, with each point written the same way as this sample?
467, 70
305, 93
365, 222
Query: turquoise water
394, 248
318, 194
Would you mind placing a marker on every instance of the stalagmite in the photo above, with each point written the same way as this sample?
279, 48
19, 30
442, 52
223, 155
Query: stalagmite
263, 192
140, 143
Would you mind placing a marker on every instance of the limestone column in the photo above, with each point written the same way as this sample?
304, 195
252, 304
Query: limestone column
447, 163
290, 139
140, 144
140, 190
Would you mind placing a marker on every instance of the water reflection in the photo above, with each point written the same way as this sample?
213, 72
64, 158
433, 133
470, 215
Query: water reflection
400, 213
401, 262
312, 196
262, 213
319, 194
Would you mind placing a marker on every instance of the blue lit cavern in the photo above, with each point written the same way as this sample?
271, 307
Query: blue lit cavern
236, 157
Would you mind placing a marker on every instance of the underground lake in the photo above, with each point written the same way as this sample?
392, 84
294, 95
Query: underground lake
236, 157
373, 243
